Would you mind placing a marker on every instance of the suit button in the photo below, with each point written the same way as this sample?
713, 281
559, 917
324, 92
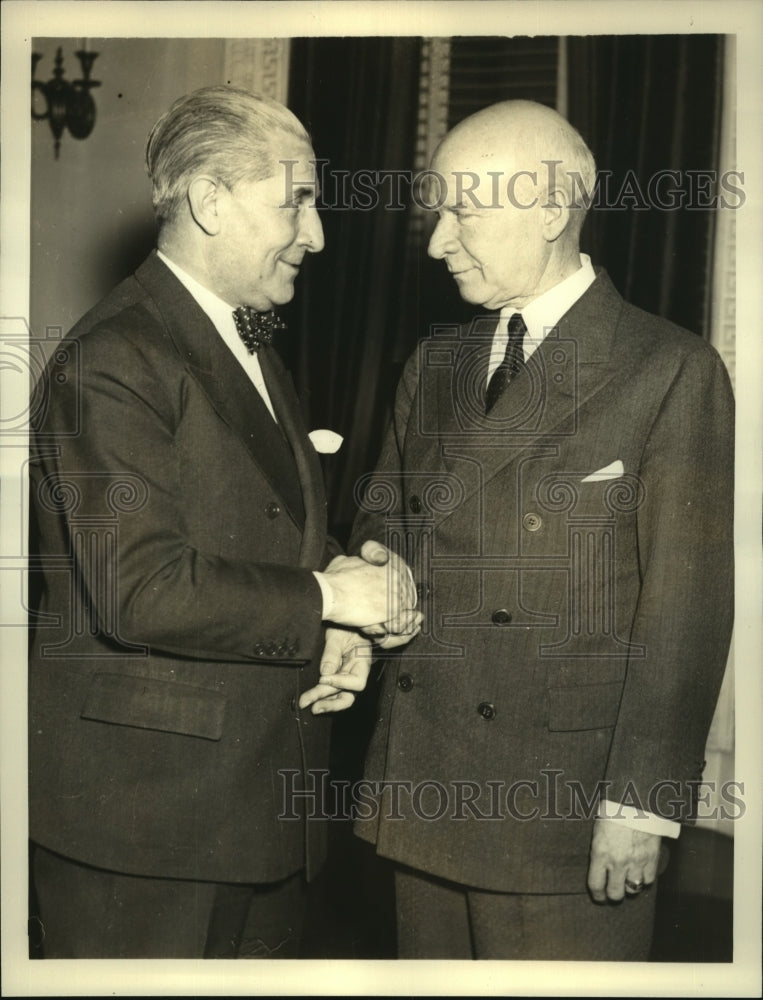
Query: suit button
501, 617
259, 649
282, 649
532, 522
405, 682
486, 710
415, 504
272, 509
293, 704
270, 649
423, 590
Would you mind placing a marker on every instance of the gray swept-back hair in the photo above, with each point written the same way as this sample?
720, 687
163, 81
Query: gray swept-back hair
220, 130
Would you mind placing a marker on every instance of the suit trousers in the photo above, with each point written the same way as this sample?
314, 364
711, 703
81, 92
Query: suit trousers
86, 912
438, 919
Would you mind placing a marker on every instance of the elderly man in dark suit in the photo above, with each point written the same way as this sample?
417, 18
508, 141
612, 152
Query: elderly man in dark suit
561, 474
187, 571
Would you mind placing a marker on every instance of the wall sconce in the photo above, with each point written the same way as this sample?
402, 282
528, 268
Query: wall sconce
68, 105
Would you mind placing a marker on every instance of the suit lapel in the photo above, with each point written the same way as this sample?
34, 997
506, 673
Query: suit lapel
236, 400
543, 404
459, 385
286, 405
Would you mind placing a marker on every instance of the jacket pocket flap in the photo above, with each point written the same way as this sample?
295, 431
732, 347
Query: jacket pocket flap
587, 706
147, 703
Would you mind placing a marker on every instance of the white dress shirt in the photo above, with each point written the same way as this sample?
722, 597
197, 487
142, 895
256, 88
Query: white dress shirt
221, 316
542, 314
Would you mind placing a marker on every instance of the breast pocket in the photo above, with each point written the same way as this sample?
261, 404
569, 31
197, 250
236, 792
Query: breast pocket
146, 703
587, 706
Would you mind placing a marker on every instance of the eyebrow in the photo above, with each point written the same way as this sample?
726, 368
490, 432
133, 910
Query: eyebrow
306, 190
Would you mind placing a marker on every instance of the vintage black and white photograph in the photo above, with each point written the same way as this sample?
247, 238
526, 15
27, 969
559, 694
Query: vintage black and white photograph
381, 498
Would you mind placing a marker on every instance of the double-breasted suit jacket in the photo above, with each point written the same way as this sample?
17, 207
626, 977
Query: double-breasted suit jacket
573, 551
179, 621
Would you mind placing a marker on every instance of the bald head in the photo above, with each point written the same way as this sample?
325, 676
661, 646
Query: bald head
531, 125
515, 181
523, 137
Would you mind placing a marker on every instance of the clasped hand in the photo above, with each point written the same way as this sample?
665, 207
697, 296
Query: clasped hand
376, 594
375, 587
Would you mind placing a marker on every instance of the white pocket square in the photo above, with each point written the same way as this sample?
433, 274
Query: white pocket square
611, 471
326, 442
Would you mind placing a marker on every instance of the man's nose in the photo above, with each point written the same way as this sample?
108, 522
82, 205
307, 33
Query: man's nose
442, 241
311, 231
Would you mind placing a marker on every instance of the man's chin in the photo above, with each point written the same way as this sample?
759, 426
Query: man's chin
469, 289
281, 296
471, 295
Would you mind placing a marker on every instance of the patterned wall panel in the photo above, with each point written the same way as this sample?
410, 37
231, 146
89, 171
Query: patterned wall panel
259, 64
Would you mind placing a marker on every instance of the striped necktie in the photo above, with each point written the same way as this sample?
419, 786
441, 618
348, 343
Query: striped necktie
512, 364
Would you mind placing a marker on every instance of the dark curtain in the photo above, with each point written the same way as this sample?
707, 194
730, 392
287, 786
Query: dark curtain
648, 104
358, 99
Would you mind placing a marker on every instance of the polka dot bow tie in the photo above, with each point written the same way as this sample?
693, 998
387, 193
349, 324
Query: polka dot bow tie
256, 328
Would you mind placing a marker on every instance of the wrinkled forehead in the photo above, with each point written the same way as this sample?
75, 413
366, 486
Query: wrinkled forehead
484, 151
293, 171
482, 162
292, 158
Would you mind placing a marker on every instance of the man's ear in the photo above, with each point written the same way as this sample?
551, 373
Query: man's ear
204, 195
556, 214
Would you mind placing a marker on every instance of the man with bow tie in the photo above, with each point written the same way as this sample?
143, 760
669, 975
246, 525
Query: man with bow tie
559, 473
188, 576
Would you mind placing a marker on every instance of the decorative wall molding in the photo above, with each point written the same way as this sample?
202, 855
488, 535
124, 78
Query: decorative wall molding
723, 320
433, 99
432, 121
562, 78
720, 744
260, 65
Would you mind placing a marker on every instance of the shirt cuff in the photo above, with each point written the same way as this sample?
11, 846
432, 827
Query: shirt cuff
638, 819
328, 595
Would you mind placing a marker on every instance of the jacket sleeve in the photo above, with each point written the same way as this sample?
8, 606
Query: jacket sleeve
154, 586
685, 608
382, 493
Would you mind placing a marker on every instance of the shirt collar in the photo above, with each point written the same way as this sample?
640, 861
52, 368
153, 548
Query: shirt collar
543, 313
220, 313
